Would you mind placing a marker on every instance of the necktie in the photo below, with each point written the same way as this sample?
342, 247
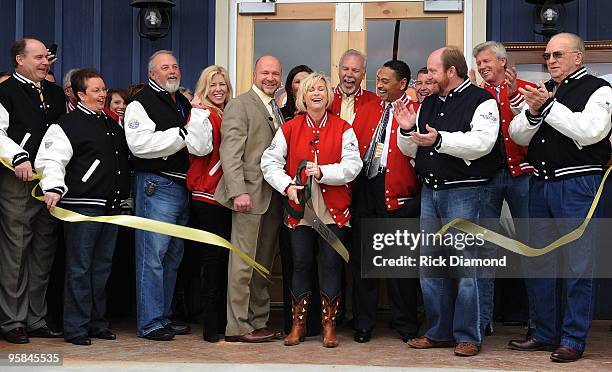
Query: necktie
41, 96
374, 153
497, 90
278, 117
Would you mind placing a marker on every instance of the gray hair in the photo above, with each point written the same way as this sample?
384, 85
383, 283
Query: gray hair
577, 41
494, 46
159, 52
355, 53
66, 82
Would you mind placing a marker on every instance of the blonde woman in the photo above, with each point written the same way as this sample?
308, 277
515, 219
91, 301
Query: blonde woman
213, 91
329, 147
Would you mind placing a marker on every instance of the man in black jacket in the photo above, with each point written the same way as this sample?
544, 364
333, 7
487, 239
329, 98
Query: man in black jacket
566, 123
157, 133
453, 141
28, 238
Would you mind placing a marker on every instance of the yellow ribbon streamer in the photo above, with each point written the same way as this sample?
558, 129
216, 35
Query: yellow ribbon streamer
519, 247
146, 224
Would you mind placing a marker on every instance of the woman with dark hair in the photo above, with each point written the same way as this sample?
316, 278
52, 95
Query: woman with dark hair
86, 153
115, 103
296, 75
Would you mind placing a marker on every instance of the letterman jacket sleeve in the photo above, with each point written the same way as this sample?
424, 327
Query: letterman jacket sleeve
54, 154
585, 127
479, 140
10, 151
524, 126
199, 135
142, 138
273, 163
350, 165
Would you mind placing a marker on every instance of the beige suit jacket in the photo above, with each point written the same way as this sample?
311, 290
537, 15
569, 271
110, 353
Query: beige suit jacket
247, 130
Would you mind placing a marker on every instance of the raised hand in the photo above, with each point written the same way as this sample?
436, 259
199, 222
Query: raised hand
511, 80
405, 117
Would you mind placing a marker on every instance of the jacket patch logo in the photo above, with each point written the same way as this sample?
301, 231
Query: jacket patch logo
351, 146
605, 105
133, 124
489, 116
48, 144
272, 146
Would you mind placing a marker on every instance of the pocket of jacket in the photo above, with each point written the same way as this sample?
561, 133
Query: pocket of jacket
90, 171
25, 139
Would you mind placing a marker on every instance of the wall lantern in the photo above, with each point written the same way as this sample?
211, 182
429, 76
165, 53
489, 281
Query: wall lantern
550, 14
154, 18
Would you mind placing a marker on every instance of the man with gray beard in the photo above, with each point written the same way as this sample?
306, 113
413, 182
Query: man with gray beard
156, 131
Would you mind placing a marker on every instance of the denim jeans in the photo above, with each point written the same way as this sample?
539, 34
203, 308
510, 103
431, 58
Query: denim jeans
306, 244
451, 304
158, 256
515, 190
89, 257
563, 315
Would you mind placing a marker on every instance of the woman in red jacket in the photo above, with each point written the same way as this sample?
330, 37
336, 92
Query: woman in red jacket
328, 146
213, 91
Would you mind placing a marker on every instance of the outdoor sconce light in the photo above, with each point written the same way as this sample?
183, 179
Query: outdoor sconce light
548, 13
154, 18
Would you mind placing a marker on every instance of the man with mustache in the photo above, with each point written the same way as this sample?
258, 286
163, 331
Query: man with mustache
349, 97
161, 130
28, 105
249, 124
387, 188
453, 141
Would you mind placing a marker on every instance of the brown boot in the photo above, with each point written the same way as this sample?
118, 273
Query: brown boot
329, 309
298, 327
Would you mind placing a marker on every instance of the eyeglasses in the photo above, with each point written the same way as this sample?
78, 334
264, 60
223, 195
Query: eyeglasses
556, 54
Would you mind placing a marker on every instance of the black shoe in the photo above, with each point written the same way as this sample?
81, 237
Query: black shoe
530, 344
46, 332
104, 335
210, 337
362, 335
81, 340
161, 334
17, 336
178, 329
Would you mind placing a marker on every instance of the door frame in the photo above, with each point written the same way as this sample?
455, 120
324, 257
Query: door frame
240, 74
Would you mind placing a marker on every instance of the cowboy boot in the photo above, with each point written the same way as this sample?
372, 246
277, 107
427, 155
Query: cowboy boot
329, 310
298, 327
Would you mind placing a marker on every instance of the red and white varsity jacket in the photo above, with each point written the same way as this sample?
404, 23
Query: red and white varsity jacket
205, 171
401, 181
362, 98
337, 152
516, 155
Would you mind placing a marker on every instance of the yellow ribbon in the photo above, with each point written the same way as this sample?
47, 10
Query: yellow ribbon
519, 247
146, 224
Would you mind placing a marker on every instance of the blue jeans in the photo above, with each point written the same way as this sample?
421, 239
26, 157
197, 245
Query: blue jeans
158, 256
515, 190
551, 203
451, 304
89, 257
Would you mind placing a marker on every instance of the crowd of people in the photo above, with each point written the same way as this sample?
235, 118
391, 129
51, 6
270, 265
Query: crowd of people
252, 168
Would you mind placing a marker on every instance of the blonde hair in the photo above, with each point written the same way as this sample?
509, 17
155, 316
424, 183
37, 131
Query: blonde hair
309, 82
203, 85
